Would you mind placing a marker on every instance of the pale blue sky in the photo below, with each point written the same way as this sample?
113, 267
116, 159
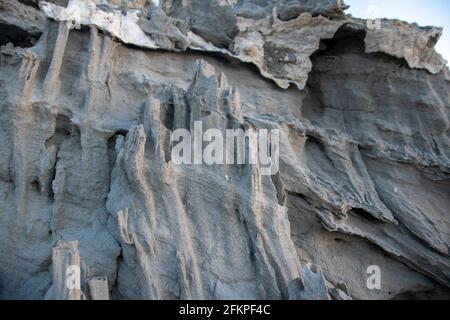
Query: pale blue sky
424, 12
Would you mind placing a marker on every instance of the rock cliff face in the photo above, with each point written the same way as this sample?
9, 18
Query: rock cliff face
91, 92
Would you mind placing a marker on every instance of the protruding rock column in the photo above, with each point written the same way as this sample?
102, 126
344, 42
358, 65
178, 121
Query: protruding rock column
51, 82
66, 272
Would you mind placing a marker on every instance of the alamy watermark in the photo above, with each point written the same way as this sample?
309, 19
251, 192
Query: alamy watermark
236, 147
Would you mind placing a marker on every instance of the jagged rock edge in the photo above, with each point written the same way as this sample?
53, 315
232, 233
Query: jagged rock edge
128, 31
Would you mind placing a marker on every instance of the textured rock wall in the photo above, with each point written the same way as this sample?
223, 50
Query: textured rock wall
88, 103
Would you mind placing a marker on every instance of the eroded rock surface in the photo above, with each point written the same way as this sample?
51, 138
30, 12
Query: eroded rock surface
402, 40
87, 179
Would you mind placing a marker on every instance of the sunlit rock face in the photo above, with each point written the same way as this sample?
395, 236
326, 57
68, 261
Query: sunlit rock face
91, 93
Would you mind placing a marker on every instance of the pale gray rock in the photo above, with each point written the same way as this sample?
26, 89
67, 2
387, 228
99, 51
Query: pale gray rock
19, 15
279, 48
168, 33
277, 36
98, 288
313, 286
219, 25
338, 292
85, 123
66, 265
411, 42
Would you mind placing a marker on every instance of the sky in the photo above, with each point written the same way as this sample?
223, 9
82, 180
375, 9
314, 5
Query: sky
424, 12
